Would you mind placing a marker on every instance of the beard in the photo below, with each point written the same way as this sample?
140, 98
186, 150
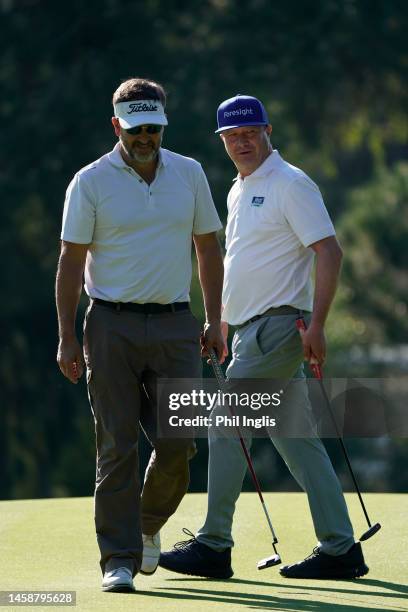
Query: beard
137, 155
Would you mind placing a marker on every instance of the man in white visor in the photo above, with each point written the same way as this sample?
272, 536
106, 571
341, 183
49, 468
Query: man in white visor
129, 221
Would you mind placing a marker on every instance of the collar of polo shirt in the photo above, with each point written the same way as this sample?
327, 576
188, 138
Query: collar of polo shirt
267, 166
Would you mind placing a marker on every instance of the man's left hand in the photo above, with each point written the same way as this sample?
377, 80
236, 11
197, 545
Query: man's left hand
213, 338
314, 344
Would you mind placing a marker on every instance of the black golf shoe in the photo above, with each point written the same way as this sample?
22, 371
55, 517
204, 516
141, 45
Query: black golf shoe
195, 559
329, 567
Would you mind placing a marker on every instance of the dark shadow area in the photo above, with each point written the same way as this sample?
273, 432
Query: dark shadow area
391, 589
262, 601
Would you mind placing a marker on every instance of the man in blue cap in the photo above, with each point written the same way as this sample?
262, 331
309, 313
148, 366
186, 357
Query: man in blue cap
277, 224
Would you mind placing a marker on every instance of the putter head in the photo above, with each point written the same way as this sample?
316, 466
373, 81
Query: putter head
370, 532
269, 562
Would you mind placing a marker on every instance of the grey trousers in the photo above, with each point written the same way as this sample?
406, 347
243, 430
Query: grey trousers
271, 348
125, 353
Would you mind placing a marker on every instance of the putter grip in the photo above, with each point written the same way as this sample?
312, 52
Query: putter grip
219, 374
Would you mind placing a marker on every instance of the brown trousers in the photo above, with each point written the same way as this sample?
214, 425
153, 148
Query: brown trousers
125, 353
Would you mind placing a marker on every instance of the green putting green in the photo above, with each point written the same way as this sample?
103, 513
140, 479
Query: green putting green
49, 544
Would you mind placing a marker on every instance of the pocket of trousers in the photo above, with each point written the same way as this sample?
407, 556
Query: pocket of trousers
277, 334
197, 324
90, 390
191, 326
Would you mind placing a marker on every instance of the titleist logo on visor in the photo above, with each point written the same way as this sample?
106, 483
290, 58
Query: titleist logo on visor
241, 111
140, 112
141, 107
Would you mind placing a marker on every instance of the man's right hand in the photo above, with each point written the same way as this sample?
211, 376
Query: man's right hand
69, 358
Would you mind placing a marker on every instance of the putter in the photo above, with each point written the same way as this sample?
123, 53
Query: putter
318, 374
219, 375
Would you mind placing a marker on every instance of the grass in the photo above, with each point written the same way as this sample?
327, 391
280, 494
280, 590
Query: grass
50, 544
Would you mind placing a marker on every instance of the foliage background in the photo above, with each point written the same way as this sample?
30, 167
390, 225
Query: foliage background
332, 74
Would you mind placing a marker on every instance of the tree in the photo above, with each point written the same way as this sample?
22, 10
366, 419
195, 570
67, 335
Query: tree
373, 230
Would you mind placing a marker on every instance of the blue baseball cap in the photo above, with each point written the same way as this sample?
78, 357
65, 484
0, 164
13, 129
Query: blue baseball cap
239, 112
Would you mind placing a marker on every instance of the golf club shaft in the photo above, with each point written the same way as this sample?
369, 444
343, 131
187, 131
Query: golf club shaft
219, 375
318, 374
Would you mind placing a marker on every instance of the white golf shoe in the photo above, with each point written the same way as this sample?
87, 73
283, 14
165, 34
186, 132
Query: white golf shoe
119, 580
151, 553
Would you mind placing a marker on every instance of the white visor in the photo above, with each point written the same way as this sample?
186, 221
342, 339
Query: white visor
140, 112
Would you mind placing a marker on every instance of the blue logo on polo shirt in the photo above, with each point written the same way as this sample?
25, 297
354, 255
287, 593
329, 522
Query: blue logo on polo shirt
257, 201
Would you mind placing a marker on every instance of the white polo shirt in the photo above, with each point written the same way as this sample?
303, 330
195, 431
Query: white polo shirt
140, 235
274, 214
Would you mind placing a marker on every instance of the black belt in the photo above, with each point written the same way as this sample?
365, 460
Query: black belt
271, 312
149, 308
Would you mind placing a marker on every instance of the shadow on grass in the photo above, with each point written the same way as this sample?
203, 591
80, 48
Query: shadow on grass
279, 602
393, 589
400, 590
262, 602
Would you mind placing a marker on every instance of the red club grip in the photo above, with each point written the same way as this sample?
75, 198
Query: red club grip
316, 369
301, 325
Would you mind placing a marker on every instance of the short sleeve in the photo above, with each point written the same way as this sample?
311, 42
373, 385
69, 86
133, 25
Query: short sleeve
206, 218
304, 210
78, 219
